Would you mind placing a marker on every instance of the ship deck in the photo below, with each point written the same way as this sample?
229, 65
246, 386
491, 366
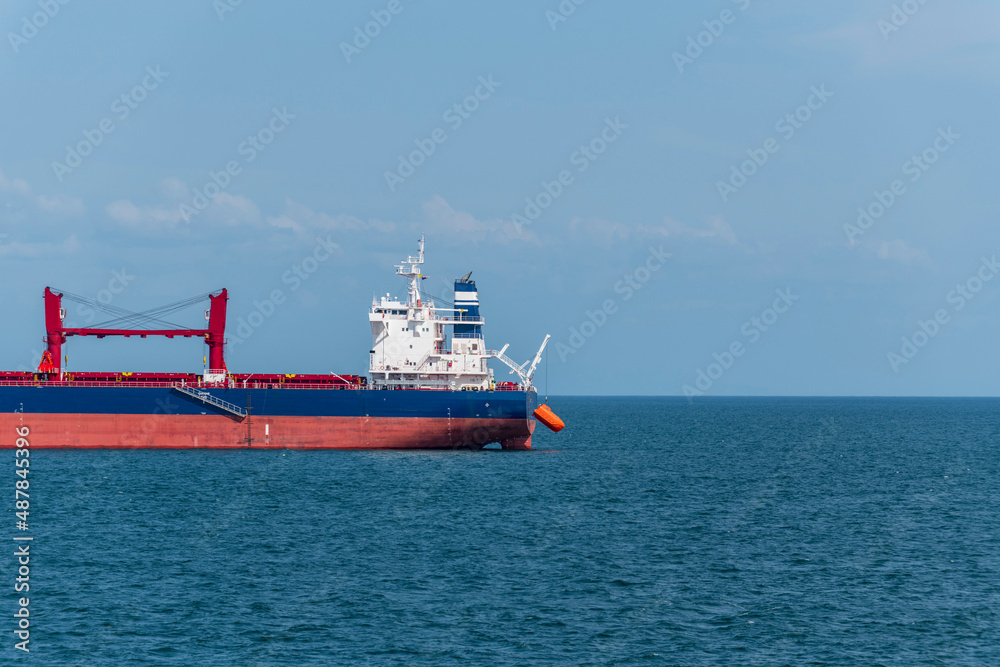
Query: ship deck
196, 380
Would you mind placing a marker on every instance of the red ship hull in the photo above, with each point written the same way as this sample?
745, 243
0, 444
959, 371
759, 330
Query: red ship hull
159, 431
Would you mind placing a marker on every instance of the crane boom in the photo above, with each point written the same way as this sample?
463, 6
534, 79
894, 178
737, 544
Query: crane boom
56, 334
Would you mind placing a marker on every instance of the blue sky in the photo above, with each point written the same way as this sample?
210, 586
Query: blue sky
622, 144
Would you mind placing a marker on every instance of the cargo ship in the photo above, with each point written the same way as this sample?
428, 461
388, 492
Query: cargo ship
428, 386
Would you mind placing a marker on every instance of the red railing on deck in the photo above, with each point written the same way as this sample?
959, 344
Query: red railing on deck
196, 385
233, 381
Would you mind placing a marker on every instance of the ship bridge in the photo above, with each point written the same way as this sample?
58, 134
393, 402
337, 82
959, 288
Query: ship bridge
410, 341
411, 348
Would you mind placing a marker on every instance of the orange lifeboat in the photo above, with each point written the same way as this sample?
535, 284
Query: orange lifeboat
549, 418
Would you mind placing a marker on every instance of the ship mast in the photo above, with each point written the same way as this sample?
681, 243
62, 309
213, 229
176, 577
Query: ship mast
410, 269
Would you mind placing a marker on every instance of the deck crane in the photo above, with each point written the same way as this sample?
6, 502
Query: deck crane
525, 375
56, 334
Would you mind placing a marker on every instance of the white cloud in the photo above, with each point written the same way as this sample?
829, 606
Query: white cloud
940, 38
598, 230
297, 220
162, 219
143, 218
303, 220
20, 194
233, 211
18, 249
60, 205
175, 190
896, 250
17, 185
717, 228
603, 230
461, 226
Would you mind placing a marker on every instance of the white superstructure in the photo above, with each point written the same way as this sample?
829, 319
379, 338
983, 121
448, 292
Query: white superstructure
410, 343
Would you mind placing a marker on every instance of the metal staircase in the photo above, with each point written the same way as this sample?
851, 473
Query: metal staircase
207, 398
423, 360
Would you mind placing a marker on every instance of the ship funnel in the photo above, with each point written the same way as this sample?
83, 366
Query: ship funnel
467, 309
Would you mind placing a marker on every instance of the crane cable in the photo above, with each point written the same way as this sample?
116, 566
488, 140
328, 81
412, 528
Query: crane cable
145, 319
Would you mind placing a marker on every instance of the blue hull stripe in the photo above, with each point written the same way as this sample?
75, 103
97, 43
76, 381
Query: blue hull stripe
288, 402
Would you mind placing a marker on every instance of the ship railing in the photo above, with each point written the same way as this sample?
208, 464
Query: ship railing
302, 385
460, 318
422, 385
197, 385
208, 398
77, 383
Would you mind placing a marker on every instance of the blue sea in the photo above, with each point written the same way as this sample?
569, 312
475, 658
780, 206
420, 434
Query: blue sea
651, 531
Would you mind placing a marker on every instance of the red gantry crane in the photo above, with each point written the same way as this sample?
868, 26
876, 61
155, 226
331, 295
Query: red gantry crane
56, 334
